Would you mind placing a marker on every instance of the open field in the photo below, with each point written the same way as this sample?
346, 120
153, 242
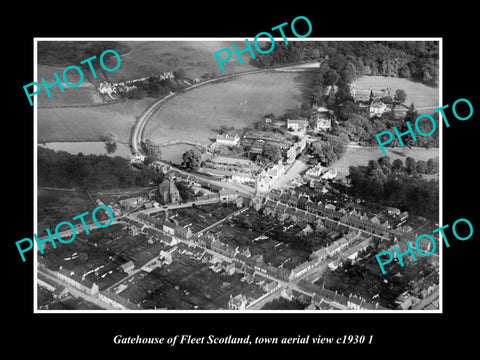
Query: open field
84, 94
197, 114
421, 95
359, 156
146, 58
89, 123
195, 57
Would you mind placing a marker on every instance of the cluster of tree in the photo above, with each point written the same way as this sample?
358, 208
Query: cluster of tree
152, 151
418, 60
329, 148
110, 140
91, 172
413, 167
271, 153
226, 130
397, 185
208, 76
65, 53
154, 87
425, 127
192, 159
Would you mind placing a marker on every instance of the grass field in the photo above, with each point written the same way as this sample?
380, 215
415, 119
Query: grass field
89, 123
146, 58
195, 57
355, 156
85, 93
197, 114
421, 95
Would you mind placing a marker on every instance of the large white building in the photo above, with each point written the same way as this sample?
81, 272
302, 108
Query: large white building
226, 139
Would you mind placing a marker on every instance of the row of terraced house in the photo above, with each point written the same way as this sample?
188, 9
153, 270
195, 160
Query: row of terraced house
289, 203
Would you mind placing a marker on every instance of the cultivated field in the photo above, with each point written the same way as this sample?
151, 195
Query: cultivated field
359, 156
421, 95
197, 114
89, 123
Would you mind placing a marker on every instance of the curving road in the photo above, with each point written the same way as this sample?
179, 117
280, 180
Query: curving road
137, 130
142, 120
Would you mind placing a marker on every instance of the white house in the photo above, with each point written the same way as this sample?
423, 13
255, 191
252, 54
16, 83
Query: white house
298, 126
227, 195
225, 139
321, 122
263, 184
315, 171
377, 108
330, 174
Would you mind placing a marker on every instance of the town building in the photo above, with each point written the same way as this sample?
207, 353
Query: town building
79, 282
298, 126
227, 195
225, 139
239, 302
117, 301
376, 108
128, 267
321, 121
168, 191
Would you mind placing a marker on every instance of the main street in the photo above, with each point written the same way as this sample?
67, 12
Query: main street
293, 171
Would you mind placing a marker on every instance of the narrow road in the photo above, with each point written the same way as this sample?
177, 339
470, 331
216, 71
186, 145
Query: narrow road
293, 171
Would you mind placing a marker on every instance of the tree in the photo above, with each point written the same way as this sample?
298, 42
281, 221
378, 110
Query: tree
152, 150
400, 96
111, 148
110, 140
404, 72
432, 166
179, 73
224, 129
410, 165
305, 109
421, 167
397, 165
191, 159
385, 164
331, 77
271, 152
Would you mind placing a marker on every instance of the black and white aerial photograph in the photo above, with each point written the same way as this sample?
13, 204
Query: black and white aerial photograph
194, 179
262, 187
